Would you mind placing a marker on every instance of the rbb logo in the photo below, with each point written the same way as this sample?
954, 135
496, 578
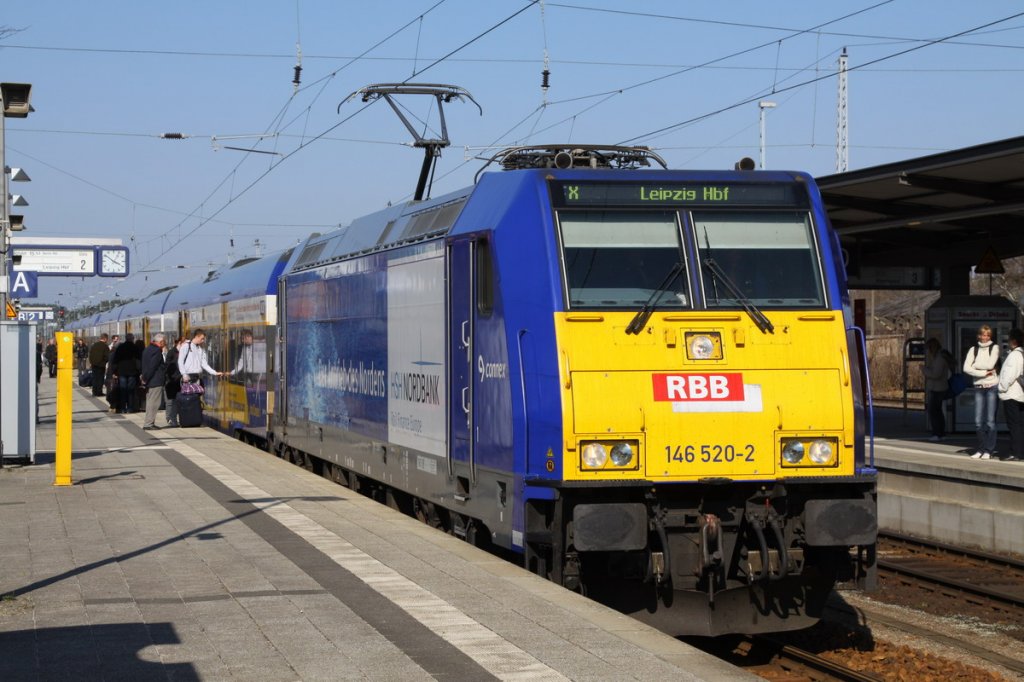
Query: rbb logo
687, 387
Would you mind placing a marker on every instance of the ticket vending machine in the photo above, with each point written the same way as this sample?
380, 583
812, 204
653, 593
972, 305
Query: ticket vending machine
954, 321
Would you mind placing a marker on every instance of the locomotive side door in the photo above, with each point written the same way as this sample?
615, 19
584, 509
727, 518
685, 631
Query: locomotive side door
277, 401
461, 305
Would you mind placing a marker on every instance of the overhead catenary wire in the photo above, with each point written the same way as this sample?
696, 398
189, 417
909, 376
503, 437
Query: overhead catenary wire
323, 81
607, 95
205, 219
900, 53
534, 117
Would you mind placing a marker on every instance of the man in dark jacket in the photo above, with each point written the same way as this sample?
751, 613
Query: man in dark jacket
51, 357
99, 355
152, 376
126, 368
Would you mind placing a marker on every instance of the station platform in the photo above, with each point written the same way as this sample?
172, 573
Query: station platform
935, 490
183, 554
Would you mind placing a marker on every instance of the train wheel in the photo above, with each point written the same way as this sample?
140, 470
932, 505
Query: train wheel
337, 475
400, 501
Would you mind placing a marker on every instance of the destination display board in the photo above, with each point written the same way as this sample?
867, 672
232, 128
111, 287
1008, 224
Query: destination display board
57, 260
72, 260
688, 194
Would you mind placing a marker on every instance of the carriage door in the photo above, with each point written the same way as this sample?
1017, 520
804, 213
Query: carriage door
277, 377
461, 306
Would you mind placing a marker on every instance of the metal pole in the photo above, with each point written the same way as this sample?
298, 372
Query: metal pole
762, 105
65, 364
762, 135
5, 225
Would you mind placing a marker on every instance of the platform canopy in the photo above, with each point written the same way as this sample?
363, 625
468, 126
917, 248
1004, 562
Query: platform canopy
948, 210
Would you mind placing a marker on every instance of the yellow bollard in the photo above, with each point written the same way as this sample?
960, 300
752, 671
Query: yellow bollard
65, 365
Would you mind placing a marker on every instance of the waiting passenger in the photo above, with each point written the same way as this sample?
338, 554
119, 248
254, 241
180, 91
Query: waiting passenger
99, 356
152, 378
51, 357
126, 361
173, 383
980, 364
1012, 395
938, 364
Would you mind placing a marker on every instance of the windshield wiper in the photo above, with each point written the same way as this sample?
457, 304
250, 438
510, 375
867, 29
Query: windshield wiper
762, 322
639, 321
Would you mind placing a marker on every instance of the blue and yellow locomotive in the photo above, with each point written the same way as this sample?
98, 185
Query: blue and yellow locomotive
644, 382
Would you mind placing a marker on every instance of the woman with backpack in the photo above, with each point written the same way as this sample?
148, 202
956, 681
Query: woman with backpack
981, 365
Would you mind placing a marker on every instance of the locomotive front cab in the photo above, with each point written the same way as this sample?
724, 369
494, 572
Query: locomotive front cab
710, 456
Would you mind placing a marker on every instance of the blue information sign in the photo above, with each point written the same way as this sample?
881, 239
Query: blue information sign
23, 284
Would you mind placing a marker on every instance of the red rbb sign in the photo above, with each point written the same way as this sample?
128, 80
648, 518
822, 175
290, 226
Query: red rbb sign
691, 387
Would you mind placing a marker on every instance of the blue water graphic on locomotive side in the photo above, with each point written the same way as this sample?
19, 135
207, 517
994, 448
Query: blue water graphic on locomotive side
337, 346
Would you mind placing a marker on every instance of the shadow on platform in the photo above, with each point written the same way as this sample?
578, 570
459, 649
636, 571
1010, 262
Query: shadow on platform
90, 652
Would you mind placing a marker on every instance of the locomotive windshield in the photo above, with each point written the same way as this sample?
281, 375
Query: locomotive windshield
770, 256
620, 259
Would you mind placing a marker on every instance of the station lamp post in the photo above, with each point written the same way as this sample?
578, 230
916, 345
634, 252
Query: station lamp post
762, 105
14, 103
14, 98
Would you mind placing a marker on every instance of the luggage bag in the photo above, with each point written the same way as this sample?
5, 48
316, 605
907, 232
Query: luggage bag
85, 379
190, 410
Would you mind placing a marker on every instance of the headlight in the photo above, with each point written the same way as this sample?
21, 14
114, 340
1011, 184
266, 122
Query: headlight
793, 451
610, 455
594, 455
701, 347
622, 454
821, 452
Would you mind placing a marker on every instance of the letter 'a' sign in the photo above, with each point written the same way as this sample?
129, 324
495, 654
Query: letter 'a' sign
23, 284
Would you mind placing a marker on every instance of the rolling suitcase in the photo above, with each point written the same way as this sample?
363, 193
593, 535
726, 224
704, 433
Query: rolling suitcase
85, 379
190, 409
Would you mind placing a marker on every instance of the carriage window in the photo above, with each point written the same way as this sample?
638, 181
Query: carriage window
770, 257
247, 354
616, 259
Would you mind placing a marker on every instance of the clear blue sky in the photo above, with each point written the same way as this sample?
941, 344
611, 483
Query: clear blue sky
110, 77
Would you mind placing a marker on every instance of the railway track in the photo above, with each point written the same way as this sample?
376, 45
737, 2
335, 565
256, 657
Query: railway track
979, 590
804, 664
990, 580
774, 658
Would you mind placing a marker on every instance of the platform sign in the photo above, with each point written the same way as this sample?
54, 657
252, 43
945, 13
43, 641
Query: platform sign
891, 277
989, 264
39, 315
23, 284
69, 261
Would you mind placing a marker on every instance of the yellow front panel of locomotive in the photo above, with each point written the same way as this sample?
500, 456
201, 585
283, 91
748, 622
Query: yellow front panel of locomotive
727, 415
